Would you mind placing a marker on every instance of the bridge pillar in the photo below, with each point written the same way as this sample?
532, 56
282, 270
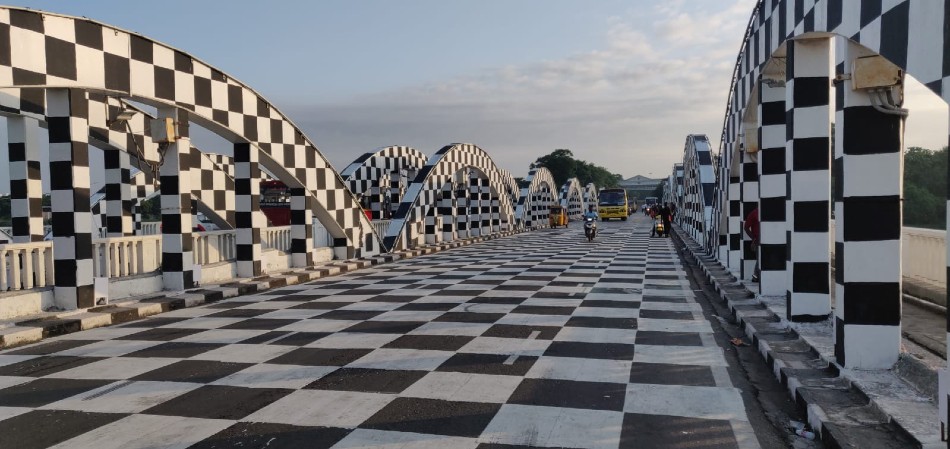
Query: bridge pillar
867, 226
301, 228
118, 198
771, 111
807, 160
749, 197
249, 219
68, 121
26, 185
177, 213
433, 226
447, 212
462, 230
474, 205
734, 223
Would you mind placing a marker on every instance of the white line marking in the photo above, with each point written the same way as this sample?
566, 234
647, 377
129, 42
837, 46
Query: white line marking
513, 357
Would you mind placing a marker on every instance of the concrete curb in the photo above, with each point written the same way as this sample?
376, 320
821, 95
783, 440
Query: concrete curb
841, 411
18, 333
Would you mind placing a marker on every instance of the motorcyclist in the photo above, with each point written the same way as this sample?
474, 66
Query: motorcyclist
591, 213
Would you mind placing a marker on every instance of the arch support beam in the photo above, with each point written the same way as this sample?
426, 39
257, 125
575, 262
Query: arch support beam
807, 162
868, 228
68, 120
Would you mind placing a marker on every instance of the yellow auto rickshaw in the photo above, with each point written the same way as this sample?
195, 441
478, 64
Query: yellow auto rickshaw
557, 216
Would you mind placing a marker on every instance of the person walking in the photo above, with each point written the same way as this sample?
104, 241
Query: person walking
667, 215
751, 228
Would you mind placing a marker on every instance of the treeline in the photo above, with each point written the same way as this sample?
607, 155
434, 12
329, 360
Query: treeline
925, 188
563, 166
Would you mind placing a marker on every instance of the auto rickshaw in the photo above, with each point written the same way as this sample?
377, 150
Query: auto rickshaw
557, 216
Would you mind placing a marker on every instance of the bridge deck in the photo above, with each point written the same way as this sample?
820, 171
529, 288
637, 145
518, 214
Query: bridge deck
541, 339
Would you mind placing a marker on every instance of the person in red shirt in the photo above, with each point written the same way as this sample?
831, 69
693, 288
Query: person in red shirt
751, 228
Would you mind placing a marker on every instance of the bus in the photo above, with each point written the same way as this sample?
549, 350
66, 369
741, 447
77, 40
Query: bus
613, 204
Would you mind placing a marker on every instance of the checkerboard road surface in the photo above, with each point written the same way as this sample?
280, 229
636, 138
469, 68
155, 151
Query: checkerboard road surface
537, 340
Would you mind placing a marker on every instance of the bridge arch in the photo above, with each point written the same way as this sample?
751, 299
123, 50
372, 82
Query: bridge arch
536, 199
381, 177
441, 170
572, 199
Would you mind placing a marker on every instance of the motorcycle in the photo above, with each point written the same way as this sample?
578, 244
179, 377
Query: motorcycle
590, 228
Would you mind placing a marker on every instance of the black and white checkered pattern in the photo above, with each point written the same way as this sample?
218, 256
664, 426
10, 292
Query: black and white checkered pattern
118, 191
772, 176
572, 199
444, 168
69, 194
538, 340
590, 195
382, 177
699, 182
175, 178
535, 200
248, 217
26, 189
85, 54
808, 119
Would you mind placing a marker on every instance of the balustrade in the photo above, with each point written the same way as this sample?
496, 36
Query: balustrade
214, 246
126, 256
276, 238
26, 265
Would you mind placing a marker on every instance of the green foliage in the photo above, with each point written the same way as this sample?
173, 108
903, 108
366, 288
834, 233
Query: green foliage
925, 188
151, 209
658, 191
563, 166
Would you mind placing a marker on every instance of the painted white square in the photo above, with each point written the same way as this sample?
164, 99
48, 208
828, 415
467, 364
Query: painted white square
325, 408
408, 315
402, 359
318, 325
131, 397
204, 322
679, 355
671, 306
244, 353
607, 312
587, 370
597, 335
7, 359
148, 431
451, 328
382, 439
293, 314
553, 302
9, 381
652, 324
10, 412
558, 427
535, 320
871, 347
114, 368
877, 261
506, 346
679, 400
353, 340
276, 376
464, 387
372, 306
226, 336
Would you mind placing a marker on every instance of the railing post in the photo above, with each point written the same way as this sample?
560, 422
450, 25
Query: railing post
68, 122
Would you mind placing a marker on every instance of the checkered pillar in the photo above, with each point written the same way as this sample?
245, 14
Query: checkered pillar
461, 209
867, 228
734, 222
447, 212
119, 222
301, 228
26, 185
177, 213
771, 112
68, 121
474, 206
488, 223
433, 226
807, 159
249, 220
750, 200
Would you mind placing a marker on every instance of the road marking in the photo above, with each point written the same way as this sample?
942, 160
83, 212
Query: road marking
513, 357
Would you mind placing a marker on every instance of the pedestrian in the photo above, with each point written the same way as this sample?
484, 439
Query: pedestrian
751, 228
667, 216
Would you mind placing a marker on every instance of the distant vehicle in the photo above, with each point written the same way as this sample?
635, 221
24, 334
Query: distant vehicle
612, 203
275, 203
650, 201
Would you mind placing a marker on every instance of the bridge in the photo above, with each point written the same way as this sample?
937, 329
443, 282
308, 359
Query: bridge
529, 331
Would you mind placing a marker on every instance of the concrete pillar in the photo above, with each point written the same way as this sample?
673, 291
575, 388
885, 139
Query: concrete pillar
867, 227
249, 220
447, 211
749, 197
119, 222
474, 205
68, 121
807, 160
301, 228
177, 212
772, 251
26, 185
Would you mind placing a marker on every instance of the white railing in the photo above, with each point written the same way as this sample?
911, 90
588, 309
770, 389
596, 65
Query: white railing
126, 256
276, 238
381, 226
214, 246
26, 265
151, 227
923, 253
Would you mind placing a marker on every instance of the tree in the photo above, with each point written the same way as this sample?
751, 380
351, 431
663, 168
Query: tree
563, 166
925, 188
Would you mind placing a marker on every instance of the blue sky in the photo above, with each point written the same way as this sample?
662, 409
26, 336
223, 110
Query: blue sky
620, 83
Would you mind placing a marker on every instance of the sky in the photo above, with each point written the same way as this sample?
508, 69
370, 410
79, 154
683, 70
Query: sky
619, 83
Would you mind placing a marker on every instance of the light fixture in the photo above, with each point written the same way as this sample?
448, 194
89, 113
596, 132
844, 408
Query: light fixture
123, 116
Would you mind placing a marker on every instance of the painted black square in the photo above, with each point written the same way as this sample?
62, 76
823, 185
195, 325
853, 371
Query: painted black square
154, 322
487, 364
298, 338
669, 299
161, 334
430, 342
44, 366
164, 83
669, 374
219, 402
610, 304
50, 347
570, 394
45, 391
60, 58
259, 324
469, 317
666, 314
273, 436
367, 380
429, 306
643, 431
320, 357
600, 322
21, 431
433, 416
521, 331
543, 310
200, 371
318, 305
175, 350
496, 300
611, 351
385, 327
355, 315
656, 338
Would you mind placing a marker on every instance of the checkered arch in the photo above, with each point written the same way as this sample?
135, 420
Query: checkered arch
381, 177
699, 190
59, 51
572, 199
536, 199
590, 195
454, 168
